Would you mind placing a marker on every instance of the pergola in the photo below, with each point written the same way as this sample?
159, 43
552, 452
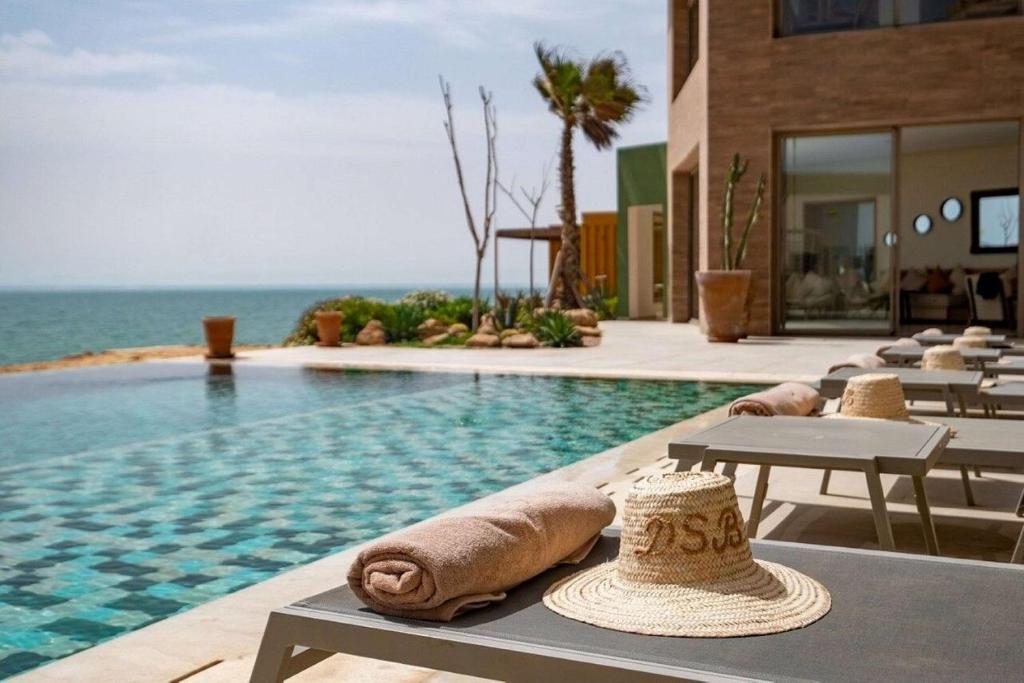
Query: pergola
549, 234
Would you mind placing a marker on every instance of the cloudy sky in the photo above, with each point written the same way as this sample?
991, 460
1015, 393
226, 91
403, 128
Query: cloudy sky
231, 142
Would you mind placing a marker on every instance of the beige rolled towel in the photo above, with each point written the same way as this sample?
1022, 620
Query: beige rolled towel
931, 332
970, 343
456, 563
903, 341
789, 398
859, 360
977, 331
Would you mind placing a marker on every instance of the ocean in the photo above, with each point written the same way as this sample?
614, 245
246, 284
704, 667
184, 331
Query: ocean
47, 324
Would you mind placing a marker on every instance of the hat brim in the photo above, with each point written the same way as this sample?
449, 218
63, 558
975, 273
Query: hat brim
770, 598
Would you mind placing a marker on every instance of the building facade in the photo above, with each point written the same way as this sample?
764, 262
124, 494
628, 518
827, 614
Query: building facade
891, 136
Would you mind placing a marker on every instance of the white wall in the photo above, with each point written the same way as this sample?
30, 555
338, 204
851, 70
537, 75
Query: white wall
926, 180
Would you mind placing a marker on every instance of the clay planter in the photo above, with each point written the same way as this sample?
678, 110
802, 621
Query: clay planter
724, 303
220, 332
328, 327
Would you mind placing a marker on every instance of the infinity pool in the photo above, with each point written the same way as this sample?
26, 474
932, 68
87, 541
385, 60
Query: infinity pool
131, 493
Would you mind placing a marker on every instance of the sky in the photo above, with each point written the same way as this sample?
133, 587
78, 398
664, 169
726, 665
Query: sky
285, 142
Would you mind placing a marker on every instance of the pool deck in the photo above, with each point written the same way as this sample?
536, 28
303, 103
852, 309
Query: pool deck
218, 641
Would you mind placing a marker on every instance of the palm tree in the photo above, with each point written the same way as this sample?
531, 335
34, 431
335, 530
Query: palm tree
596, 97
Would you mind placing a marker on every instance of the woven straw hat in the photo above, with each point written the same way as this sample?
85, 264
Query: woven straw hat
942, 358
685, 569
977, 331
879, 396
969, 342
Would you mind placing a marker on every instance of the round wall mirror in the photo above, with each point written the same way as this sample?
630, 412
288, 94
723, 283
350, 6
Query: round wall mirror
952, 209
890, 239
923, 224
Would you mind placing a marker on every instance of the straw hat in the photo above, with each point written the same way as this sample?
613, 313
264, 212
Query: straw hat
977, 331
942, 358
685, 569
970, 342
879, 396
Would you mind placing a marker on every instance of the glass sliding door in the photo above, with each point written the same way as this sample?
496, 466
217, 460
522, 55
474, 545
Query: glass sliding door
835, 215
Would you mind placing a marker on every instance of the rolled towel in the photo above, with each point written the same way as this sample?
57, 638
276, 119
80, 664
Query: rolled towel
460, 562
903, 341
789, 398
969, 343
977, 331
931, 332
858, 360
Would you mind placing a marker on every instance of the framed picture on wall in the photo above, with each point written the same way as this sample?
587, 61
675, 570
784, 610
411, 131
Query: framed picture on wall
995, 221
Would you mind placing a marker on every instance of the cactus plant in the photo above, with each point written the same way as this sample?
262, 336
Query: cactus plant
732, 259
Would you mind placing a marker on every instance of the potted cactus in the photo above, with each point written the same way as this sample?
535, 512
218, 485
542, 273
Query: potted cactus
725, 294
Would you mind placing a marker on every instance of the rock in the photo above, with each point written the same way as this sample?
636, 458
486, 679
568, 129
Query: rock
483, 341
590, 341
458, 328
431, 327
520, 341
538, 312
582, 317
487, 325
588, 331
437, 339
372, 335
505, 334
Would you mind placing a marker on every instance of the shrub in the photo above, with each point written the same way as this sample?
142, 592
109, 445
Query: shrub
603, 306
554, 328
356, 311
400, 321
426, 299
458, 310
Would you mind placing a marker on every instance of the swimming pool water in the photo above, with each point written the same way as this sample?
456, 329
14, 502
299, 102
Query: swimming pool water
131, 493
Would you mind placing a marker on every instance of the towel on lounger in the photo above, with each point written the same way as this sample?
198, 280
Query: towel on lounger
904, 341
790, 398
858, 360
455, 563
931, 332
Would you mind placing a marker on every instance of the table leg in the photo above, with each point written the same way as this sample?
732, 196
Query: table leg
760, 491
730, 470
825, 479
708, 464
948, 398
962, 404
882, 526
966, 479
931, 541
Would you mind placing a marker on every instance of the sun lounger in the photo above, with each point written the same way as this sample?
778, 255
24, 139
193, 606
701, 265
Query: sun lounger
978, 359
868, 446
956, 388
1008, 395
891, 620
946, 339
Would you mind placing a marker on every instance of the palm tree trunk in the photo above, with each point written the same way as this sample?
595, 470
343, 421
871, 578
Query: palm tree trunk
570, 274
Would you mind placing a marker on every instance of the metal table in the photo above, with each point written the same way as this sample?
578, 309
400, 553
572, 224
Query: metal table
873, 447
946, 385
946, 339
908, 355
894, 617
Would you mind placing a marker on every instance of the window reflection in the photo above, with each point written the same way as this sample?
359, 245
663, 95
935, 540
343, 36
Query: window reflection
797, 17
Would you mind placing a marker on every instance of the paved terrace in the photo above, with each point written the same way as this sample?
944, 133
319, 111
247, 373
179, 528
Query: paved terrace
218, 641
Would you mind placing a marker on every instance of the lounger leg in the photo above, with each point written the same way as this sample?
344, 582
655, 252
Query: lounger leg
273, 656
882, 526
760, 491
931, 541
1018, 552
966, 479
948, 398
977, 472
826, 477
963, 405
730, 470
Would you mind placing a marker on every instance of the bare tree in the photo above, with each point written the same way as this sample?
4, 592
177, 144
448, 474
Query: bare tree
534, 197
482, 235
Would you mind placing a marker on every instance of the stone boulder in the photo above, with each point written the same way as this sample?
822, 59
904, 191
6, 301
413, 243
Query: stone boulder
508, 332
590, 341
431, 327
437, 339
487, 325
520, 341
457, 328
483, 341
372, 335
588, 331
582, 317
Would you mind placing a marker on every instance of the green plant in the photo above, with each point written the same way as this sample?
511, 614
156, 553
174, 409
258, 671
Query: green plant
426, 298
400, 321
554, 328
733, 260
458, 310
596, 97
356, 312
603, 306
506, 310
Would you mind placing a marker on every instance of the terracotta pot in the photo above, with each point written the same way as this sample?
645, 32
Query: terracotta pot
220, 332
328, 328
724, 303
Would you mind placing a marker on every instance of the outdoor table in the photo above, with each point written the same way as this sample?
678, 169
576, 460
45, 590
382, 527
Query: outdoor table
894, 617
908, 355
917, 384
947, 339
873, 447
